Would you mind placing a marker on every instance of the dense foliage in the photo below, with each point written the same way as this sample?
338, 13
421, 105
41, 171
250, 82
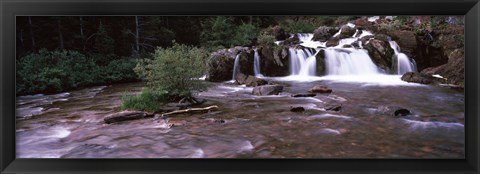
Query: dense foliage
148, 100
56, 71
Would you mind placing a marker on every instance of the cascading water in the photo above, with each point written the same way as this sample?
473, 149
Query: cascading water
401, 62
302, 62
256, 64
348, 61
236, 66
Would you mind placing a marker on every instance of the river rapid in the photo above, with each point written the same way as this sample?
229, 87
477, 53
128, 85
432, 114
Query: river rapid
70, 125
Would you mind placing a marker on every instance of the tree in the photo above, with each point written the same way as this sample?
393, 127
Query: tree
175, 70
104, 44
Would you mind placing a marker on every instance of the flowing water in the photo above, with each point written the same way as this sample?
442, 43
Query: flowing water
236, 66
401, 62
70, 125
256, 64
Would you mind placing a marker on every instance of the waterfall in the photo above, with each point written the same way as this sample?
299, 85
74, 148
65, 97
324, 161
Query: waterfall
236, 66
302, 62
348, 61
401, 62
256, 64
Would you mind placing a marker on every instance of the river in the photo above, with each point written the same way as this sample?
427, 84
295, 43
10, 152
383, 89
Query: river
70, 125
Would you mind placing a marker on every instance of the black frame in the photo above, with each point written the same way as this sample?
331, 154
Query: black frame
10, 9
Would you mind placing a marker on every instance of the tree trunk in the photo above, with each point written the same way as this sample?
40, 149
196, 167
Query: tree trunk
60, 35
81, 28
31, 33
137, 45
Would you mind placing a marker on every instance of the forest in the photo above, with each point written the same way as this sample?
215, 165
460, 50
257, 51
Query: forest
240, 86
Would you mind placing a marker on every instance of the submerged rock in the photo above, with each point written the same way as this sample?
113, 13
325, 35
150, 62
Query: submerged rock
320, 89
267, 90
297, 109
304, 95
254, 81
401, 112
124, 116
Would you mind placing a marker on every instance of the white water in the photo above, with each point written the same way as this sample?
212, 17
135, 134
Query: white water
348, 61
235, 67
302, 62
256, 64
401, 62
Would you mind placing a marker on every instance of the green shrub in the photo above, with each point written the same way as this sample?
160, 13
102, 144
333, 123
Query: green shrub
174, 70
265, 39
149, 100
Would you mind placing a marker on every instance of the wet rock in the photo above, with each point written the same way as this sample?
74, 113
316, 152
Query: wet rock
346, 32
304, 95
320, 89
220, 121
274, 60
332, 42
334, 108
401, 112
320, 56
297, 109
292, 40
380, 52
323, 33
254, 81
240, 78
124, 116
453, 70
416, 77
267, 90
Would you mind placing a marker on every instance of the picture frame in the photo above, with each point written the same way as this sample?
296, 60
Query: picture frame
10, 9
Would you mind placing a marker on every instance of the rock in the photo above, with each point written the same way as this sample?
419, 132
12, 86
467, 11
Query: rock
124, 116
275, 61
176, 122
323, 33
320, 89
297, 109
240, 78
380, 52
292, 40
415, 77
254, 81
453, 71
278, 32
332, 42
401, 112
320, 56
304, 95
334, 108
267, 90
346, 32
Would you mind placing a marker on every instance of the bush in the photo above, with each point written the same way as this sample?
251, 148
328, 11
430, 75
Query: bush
149, 100
265, 39
175, 70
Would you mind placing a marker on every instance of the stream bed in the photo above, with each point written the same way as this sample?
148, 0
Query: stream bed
70, 125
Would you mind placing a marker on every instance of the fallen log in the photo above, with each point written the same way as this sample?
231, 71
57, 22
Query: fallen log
124, 116
191, 110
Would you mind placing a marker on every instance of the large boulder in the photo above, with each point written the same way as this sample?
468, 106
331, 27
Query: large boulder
221, 62
323, 33
254, 81
274, 61
332, 42
346, 32
453, 71
267, 90
278, 32
380, 52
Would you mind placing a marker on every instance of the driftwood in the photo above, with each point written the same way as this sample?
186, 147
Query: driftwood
125, 115
191, 110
